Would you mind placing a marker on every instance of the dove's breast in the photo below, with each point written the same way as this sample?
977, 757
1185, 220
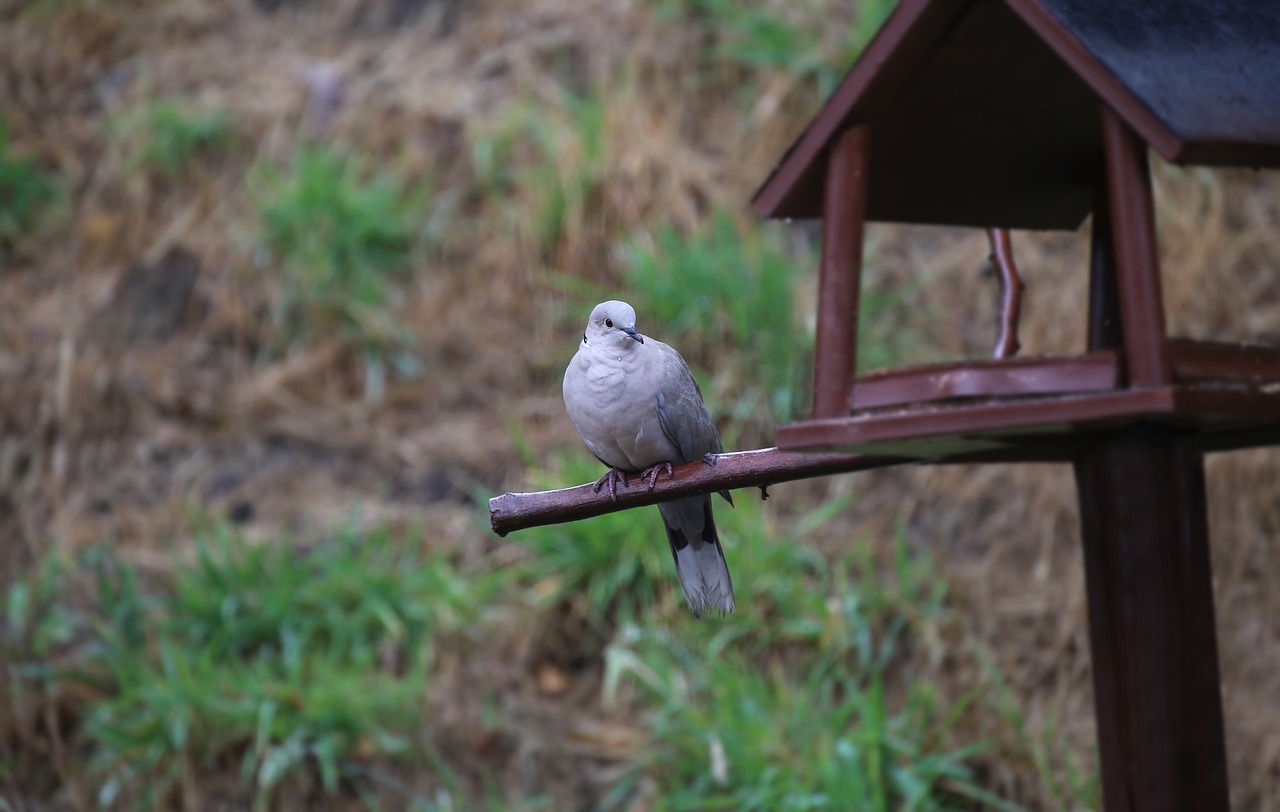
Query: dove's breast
614, 410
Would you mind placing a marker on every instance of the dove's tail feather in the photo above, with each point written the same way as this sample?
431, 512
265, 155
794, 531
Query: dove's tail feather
695, 546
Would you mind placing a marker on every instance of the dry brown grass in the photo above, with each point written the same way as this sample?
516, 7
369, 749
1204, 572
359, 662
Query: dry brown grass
107, 437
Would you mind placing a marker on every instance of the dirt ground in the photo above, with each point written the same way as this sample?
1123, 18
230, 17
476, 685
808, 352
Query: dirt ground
134, 389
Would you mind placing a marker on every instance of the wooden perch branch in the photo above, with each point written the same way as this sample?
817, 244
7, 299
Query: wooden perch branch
740, 469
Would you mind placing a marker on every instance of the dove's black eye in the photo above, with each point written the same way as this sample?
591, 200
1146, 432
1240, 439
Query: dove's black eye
608, 322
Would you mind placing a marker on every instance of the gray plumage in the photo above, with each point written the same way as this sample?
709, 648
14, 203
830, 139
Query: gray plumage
636, 405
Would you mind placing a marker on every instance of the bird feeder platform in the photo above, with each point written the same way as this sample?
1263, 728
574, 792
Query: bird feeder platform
1036, 409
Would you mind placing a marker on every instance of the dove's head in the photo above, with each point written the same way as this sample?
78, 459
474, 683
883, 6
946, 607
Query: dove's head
612, 325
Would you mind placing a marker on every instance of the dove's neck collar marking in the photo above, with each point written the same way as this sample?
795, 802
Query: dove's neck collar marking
604, 351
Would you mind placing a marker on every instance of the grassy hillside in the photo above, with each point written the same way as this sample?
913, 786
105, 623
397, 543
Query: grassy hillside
287, 288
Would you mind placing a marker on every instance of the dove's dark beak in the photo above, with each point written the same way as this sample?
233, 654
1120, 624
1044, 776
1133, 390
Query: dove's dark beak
634, 333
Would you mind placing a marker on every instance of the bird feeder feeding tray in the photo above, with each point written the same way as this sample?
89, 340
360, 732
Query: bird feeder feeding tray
1226, 396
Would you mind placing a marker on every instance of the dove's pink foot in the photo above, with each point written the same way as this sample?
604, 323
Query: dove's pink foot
651, 473
611, 478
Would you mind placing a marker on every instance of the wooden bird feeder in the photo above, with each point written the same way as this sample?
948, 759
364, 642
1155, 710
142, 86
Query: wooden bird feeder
1034, 114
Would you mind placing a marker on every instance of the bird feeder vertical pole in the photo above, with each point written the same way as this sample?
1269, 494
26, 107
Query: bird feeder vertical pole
1157, 693
1157, 690
844, 212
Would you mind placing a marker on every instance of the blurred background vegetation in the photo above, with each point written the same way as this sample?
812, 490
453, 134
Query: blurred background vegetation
286, 291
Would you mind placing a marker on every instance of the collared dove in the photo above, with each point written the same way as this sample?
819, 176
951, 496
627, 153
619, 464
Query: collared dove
637, 407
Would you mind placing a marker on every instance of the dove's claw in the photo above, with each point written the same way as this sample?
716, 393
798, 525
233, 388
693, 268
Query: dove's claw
710, 458
611, 478
651, 473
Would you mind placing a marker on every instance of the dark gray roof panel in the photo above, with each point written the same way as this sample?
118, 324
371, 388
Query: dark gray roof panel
1209, 69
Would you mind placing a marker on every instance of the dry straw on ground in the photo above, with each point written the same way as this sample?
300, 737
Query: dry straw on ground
109, 434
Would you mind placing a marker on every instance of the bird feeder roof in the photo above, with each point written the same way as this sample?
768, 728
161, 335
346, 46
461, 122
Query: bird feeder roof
986, 112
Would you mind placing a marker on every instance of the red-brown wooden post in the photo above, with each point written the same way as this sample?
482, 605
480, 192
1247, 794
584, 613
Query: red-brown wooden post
1137, 260
1105, 332
1152, 640
843, 213
1151, 625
